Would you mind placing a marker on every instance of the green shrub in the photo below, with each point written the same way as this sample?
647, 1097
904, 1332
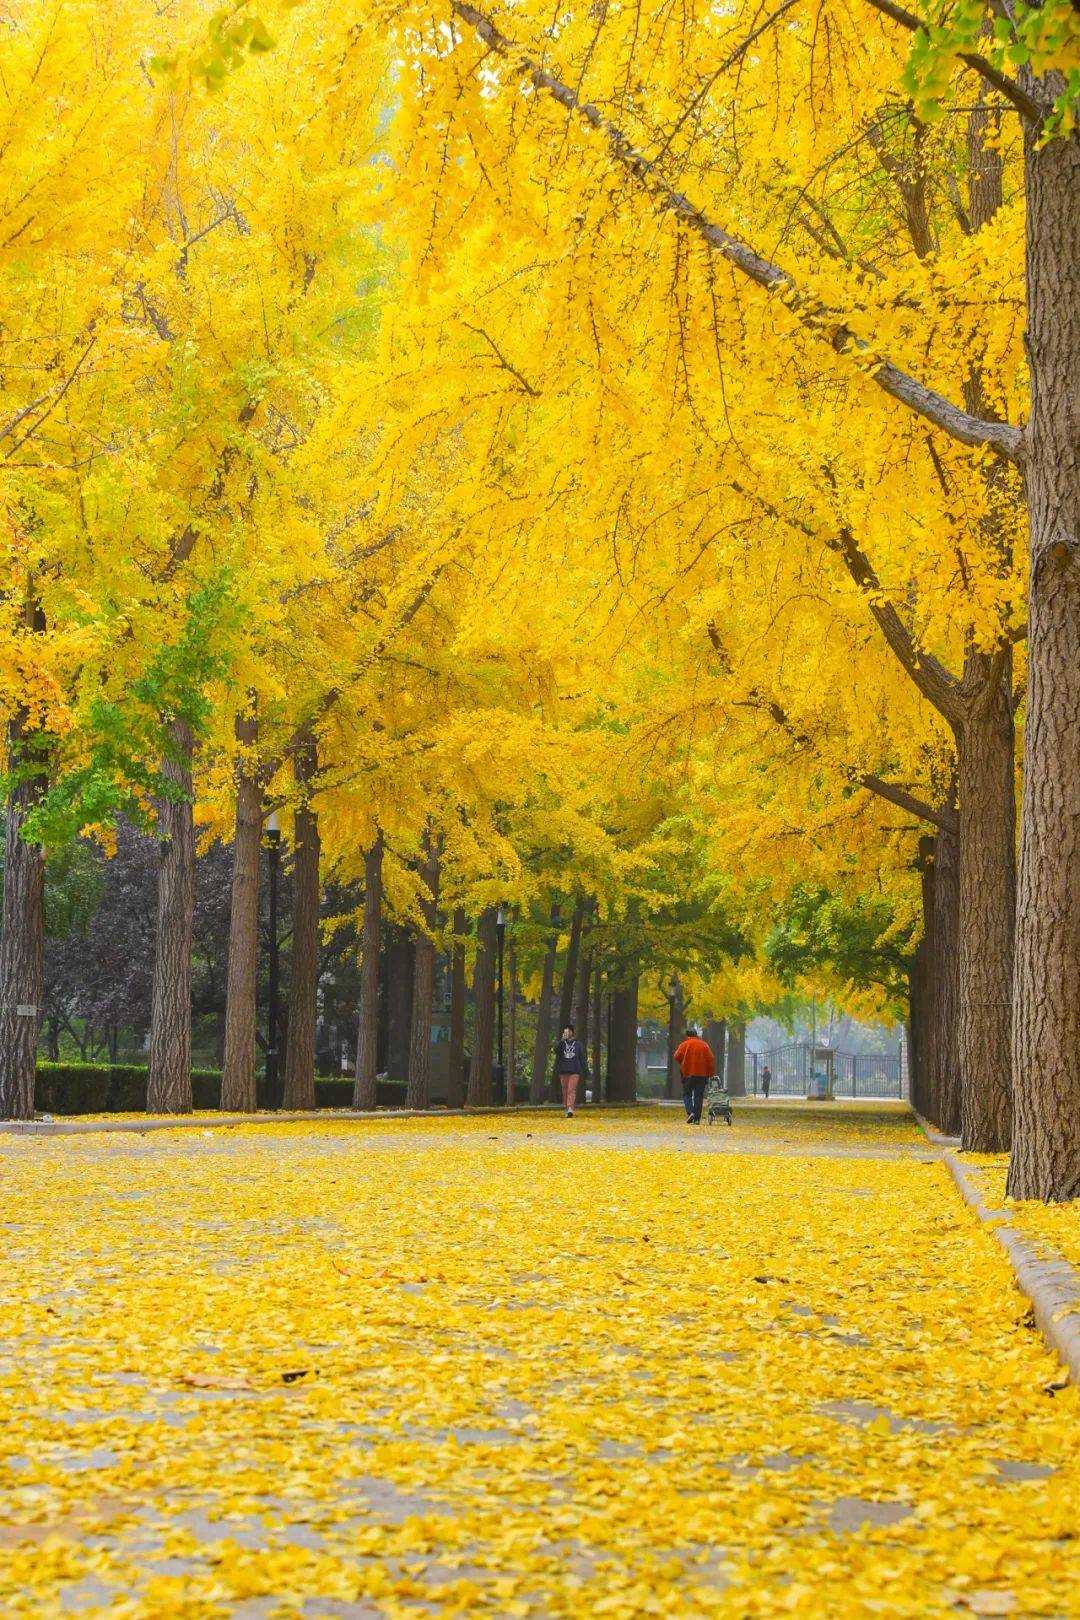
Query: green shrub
101, 1088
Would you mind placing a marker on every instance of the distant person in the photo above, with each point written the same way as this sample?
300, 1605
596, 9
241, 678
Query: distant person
570, 1059
697, 1065
766, 1080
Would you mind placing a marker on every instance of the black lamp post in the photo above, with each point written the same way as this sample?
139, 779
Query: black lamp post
500, 935
273, 845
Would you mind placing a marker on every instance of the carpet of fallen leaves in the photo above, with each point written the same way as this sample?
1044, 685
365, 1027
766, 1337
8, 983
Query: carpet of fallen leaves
521, 1366
1053, 1228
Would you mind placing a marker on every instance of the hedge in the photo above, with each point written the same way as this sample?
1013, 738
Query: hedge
101, 1088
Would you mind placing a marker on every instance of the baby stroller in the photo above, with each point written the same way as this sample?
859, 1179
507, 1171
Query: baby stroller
717, 1101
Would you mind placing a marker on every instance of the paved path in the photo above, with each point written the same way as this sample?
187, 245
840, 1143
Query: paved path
521, 1366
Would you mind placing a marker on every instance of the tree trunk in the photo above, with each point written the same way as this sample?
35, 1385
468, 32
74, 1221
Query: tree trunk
22, 937
483, 1055
367, 1032
238, 1071
622, 1051
168, 1085
986, 771
736, 1058
598, 1033
916, 1030
400, 967
926, 988
418, 1089
581, 1009
542, 1050
455, 1091
715, 1033
675, 1031
1046, 1150
511, 1023
946, 977
299, 1092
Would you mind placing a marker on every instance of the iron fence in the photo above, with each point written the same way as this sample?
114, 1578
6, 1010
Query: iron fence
855, 1074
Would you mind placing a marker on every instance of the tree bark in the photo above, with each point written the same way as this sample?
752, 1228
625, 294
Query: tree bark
946, 973
418, 1089
400, 967
622, 1051
676, 1030
581, 1008
986, 771
927, 988
715, 1032
598, 1033
455, 1093
1046, 1150
367, 1034
481, 1074
168, 1084
511, 1023
238, 1093
299, 1092
736, 1058
542, 1050
22, 936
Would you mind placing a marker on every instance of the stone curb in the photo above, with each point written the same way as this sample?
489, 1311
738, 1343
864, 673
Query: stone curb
1050, 1283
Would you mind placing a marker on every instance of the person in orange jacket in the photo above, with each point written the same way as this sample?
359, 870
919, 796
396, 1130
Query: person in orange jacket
697, 1065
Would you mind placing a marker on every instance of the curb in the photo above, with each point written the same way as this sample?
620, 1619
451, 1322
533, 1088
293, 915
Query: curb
1050, 1283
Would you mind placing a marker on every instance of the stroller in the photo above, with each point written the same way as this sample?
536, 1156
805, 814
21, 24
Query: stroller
717, 1101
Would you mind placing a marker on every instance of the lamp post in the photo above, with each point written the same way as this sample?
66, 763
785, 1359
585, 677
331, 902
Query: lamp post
273, 845
500, 935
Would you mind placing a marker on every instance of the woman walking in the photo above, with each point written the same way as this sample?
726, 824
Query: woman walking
570, 1060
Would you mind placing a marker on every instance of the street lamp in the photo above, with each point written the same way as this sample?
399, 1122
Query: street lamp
500, 1070
273, 845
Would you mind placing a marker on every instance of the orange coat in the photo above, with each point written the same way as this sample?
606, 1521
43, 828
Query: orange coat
695, 1058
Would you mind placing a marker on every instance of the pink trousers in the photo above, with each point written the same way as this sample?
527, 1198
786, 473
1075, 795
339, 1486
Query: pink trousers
569, 1089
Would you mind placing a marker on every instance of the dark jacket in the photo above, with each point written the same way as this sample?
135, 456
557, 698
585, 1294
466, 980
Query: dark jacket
570, 1056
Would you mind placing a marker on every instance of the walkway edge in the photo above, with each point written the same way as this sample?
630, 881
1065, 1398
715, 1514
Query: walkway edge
1049, 1282
80, 1125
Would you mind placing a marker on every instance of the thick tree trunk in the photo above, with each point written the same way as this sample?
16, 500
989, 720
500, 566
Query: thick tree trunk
400, 967
715, 1033
367, 1033
598, 1033
927, 987
483, 1055
581, 1009
573, 950
736, 1058
986, 771
22, 939
1046, 1150
238, 1071
675, 1031
299, 1093
946, 978
916, 1031
168, 1085
542, 1049
622, 1051
418, 1090
511, 1023
455, 1093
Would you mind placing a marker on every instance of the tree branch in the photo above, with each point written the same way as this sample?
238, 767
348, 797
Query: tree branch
1024, 104
1000, 437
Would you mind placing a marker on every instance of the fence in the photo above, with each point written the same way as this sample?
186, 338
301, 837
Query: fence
855, 1074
